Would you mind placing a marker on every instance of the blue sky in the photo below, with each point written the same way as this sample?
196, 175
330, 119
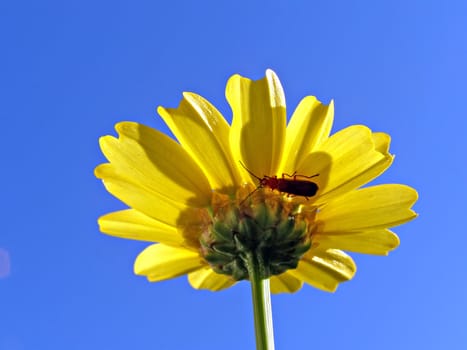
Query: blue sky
70, 70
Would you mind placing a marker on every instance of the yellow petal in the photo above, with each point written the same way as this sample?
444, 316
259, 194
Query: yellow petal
379, 242
369, 208
141, 198
159, 262
206, 278
381, 141
258, 125
325, 269
156, 162
204, 133
308, 128
355, 162
132, 224
285, 283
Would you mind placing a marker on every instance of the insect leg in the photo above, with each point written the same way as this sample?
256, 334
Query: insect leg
305, 176
294, 175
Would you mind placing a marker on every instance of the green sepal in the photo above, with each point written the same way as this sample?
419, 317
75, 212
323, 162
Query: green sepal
273, 231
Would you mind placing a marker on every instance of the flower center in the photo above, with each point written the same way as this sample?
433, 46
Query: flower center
264, 223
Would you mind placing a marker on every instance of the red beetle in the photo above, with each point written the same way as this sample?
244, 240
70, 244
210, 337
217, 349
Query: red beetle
291, 186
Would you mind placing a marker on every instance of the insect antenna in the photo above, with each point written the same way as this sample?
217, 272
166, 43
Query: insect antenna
256, 189
249, 171
250, 194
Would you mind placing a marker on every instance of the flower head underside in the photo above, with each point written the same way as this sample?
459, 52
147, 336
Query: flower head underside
291, 194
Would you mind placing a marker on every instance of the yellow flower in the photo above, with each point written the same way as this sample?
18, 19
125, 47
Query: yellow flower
204, 210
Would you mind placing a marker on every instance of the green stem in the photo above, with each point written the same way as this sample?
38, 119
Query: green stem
261, 305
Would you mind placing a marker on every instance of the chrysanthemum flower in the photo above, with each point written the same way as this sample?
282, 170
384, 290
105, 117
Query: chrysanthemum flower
206, 214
